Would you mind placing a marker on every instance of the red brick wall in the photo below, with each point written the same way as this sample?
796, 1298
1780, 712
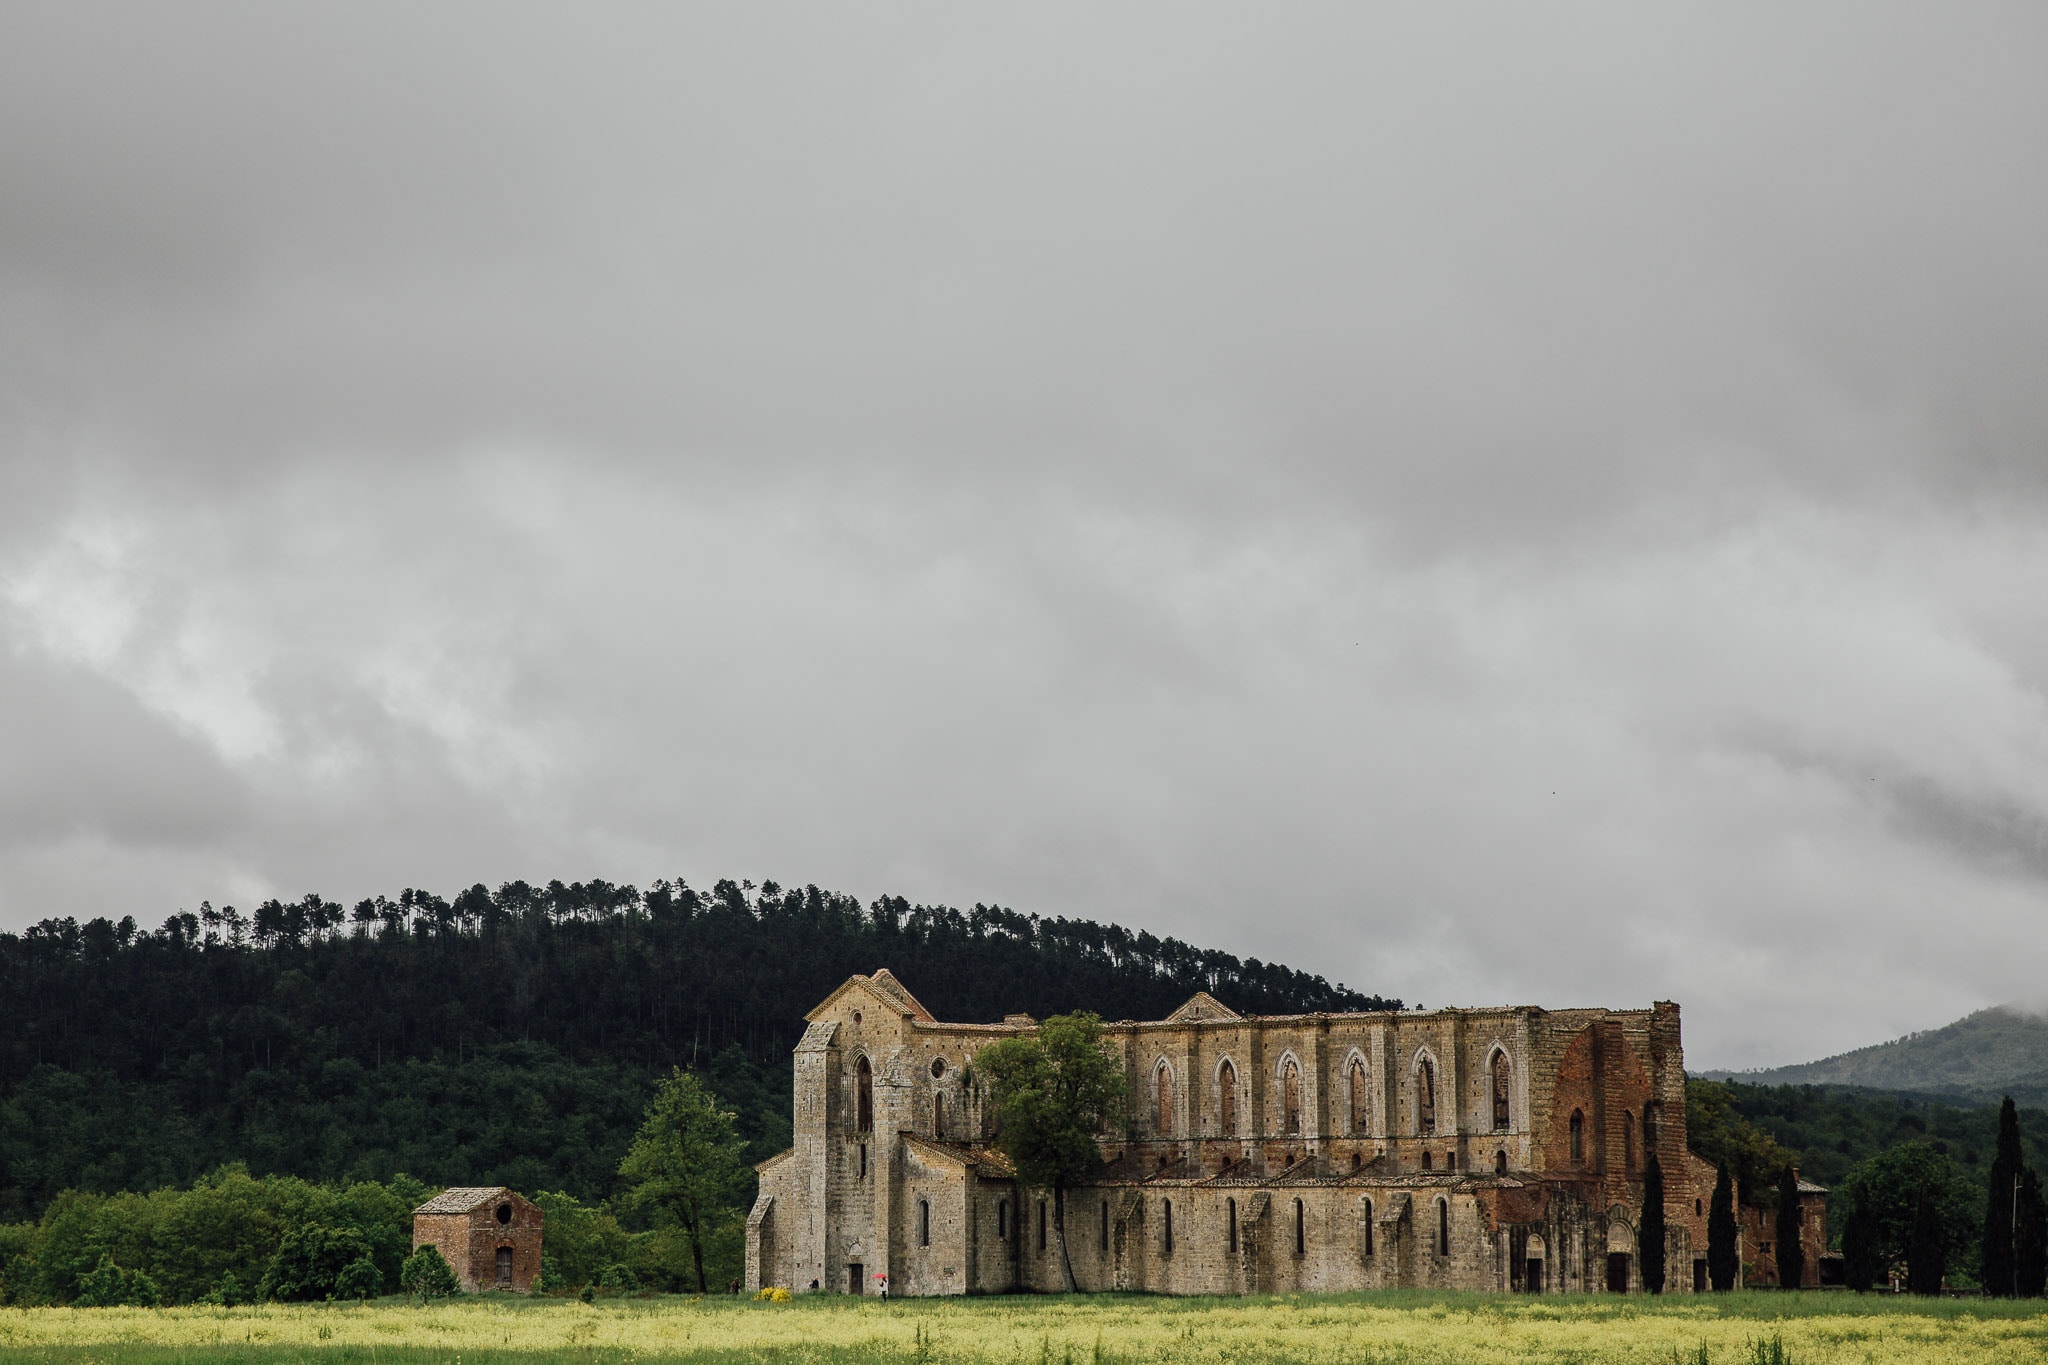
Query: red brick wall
469, 1242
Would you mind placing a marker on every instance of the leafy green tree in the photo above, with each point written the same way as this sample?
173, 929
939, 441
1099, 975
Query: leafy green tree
1791, 1258
1891, 1186
310, 1261
686, 1163
1055, 1092
1716, 1132
1650, 1239
427, 1275
582, 1239
1722, 1257
2000, 1273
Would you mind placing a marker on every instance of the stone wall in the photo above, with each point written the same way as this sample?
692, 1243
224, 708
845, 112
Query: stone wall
1512, 1190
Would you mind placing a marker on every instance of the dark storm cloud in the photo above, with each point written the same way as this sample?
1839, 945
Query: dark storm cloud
1351, 484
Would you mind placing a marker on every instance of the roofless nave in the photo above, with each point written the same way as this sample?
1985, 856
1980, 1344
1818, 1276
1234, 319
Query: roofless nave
1458, 1148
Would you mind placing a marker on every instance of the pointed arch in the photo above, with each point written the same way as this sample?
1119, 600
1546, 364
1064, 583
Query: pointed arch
1423, 1076
1226, 1097
1162, 1097
1365, 1228
863, 1095
1290, 1093
1357, 1094
1578, 1136
1443, 1226
1500, 1076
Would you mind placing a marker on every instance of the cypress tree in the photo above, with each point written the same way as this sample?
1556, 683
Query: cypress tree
1927, 1259
1859, 1246
1999, 1272
1791, 1257
2030, 1258
1650, 1239
1721, 1260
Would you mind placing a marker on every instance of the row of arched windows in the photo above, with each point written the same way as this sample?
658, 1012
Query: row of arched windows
1358, 1094
1357, 1085
1230, 1230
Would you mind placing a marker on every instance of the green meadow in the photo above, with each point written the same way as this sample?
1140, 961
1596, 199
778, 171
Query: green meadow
1359, 1329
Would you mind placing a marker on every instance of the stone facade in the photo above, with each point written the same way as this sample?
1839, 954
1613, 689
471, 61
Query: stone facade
489, 1236
1468, 1148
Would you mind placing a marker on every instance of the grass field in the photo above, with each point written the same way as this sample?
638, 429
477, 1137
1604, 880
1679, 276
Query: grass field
1365, 1329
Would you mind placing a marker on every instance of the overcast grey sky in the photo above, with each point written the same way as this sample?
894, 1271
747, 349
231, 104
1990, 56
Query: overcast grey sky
1523, 503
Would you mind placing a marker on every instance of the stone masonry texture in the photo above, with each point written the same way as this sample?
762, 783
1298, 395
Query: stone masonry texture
1464, 1148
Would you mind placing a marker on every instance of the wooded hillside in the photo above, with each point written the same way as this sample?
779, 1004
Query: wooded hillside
506, 1036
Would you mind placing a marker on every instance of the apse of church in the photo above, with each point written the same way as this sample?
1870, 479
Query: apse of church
1474, 1148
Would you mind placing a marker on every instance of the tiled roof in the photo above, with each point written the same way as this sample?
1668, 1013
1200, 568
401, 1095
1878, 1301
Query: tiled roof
463, 1199
988, 1158
886, 980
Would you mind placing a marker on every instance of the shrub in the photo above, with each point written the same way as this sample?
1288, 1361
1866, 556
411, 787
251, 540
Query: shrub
227, 1291
359, 1279
109, 1286
425, 1275
550, 1280
309, 1262
773, 1293
618, 1278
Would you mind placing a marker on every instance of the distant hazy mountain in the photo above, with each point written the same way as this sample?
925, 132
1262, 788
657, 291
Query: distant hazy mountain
1994, 1052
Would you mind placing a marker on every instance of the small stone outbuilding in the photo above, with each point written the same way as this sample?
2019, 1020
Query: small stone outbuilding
489, 1236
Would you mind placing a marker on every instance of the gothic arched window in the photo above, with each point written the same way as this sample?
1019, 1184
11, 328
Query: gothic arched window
1290, 1097
1162, 1088
1356, 1079
1443, 1227
938, 1116
1502, 1070
1425, 1097
1578, 1130
1367, 1233
1226, 1098
864, 1096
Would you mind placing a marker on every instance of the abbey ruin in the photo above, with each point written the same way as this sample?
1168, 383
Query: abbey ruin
1458, 1148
